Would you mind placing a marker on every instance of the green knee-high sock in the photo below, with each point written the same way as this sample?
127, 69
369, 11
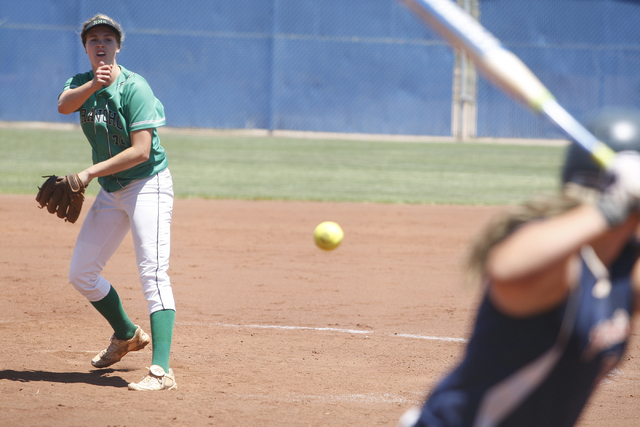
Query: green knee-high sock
111, 309
161, 336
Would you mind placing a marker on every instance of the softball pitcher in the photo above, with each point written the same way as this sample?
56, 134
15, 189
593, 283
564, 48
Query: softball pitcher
119, 115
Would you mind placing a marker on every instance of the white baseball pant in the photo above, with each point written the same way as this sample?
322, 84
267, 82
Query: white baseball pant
145, 207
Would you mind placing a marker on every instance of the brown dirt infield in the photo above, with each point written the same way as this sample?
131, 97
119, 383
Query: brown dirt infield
270, 330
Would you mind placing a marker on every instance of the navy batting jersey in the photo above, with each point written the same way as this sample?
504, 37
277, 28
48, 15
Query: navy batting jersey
540, 370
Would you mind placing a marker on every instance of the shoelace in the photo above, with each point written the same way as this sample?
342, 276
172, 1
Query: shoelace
150, 378
113, 346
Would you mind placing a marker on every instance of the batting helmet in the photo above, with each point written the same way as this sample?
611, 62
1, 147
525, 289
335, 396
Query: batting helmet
619, 128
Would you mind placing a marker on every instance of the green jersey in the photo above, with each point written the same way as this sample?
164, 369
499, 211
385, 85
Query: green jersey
110, 115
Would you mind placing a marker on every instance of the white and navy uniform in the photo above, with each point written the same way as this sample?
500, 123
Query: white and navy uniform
139, 199
540, 370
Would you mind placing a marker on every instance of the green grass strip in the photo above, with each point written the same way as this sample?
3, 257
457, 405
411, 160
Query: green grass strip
307, 169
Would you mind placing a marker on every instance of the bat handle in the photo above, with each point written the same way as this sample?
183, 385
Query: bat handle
601, 153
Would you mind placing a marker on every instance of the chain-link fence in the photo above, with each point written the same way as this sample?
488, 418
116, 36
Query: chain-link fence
586, 52
365, 66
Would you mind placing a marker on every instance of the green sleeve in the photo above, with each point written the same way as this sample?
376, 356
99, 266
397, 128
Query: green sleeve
143, 109
77, 80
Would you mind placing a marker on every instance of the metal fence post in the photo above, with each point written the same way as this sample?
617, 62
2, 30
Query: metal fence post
464, 112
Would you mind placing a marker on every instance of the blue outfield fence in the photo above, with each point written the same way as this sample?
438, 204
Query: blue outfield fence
365, 66
587, 52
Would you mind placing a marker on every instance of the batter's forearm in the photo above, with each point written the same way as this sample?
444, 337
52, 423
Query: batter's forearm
541, 244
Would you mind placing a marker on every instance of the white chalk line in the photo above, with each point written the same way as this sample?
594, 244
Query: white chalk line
296, 328
422, 337
368, 398
611, 376
309, 328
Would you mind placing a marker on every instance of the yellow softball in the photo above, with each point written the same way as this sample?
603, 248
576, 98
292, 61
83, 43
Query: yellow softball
328, 235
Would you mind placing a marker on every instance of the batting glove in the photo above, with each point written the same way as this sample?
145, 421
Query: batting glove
623, 193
